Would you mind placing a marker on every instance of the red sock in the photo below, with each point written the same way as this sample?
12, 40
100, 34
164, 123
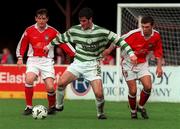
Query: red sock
143, 97
29, 95
132, 102
51, 99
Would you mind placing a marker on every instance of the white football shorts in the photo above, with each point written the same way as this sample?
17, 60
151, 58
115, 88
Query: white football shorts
135, 72
89, 70
41, 66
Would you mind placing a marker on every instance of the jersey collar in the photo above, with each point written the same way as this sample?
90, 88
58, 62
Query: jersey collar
143, 33
36, 26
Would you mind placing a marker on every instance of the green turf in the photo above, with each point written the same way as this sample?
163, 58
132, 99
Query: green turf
81, 114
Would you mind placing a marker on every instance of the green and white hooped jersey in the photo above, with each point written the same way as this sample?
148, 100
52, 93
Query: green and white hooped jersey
89, 44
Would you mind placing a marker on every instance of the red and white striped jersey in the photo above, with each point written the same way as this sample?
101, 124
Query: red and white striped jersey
37, 40
142, 46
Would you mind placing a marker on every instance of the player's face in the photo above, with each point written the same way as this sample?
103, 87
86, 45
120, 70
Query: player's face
41, 21
85, 23
147, 29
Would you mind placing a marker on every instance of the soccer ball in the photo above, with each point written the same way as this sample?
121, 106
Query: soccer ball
39, 112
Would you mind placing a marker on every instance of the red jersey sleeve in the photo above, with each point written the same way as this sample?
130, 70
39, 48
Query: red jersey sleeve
68, 49
22, 45
158, 51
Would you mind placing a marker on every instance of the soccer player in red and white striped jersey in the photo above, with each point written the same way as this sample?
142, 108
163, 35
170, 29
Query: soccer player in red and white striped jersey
36, 37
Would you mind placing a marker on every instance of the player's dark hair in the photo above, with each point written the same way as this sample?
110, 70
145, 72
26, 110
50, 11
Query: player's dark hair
42, 11
86, 12
147, 19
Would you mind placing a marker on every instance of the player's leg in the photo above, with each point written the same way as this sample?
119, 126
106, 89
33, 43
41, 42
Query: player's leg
46, 68
130, 78
49, 83
132, 97
144, 95
29, 79
66, 78
32, 73
145, 78
98, 91
92, 72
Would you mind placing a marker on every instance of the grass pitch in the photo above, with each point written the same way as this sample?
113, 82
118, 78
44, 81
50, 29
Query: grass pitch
81, 114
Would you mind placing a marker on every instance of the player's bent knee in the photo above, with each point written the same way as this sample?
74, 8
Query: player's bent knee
147, 89
29, 82
50, 88
99, 95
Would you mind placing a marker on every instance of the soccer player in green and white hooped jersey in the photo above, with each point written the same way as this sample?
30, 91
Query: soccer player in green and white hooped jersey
90, 41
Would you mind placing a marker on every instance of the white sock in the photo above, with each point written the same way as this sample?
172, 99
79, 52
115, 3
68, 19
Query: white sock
100, 106
60, 93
